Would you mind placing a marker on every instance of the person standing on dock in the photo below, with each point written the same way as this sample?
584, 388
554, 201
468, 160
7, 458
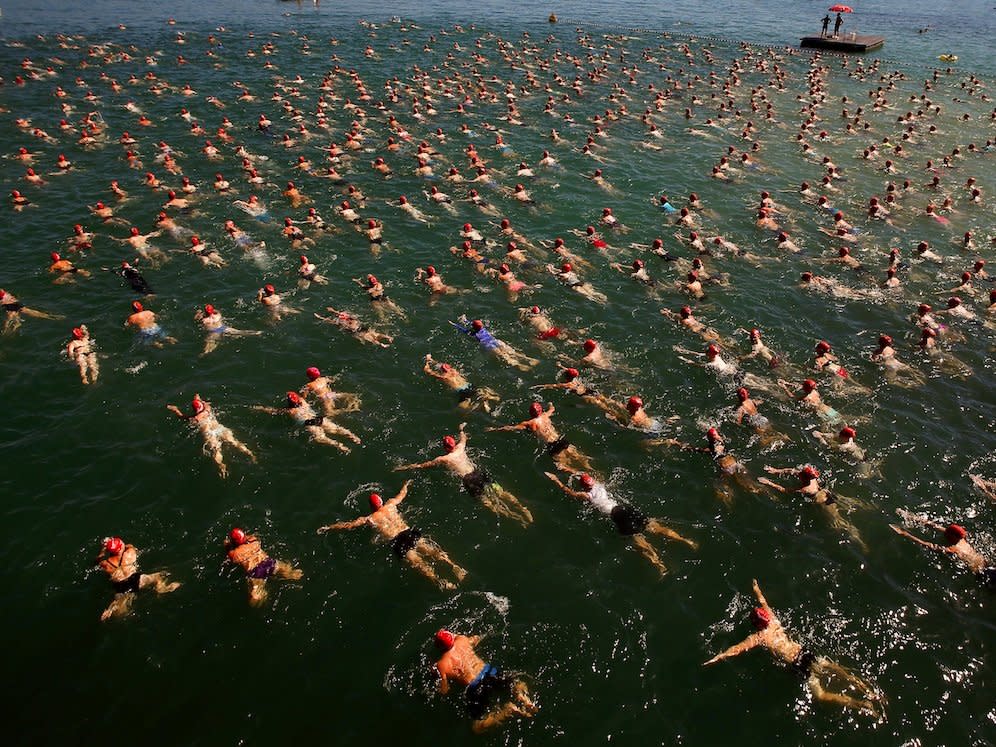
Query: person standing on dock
837, 24
826, 24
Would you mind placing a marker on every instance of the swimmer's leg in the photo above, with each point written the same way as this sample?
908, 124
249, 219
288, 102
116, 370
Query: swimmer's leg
844, 701
503, 502
335, 429
257, 591
839, 522
286, 570
647, 551
495, 718
94, 365
521, 694
119, 607
212, 447
230, 438
211, 342
433, 550
419, 564
655, 527
318, 435
13, 322
159, 581
39, 314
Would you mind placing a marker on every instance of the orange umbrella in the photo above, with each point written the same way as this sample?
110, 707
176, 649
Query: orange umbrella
841, 9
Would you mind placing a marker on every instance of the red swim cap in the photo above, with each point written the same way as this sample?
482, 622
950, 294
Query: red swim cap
743, 394
807, 276
953, 533
954, 301
313, 373
270, 290
78, 333
848, 432
445, 367
445, 639
571, 373
535, 409
633, 404
195, 240
712, 351
137, 306
885, 341
637, 264
566, 267
823, 347
588, 481
590, 345
693, 276
712, 434
760, 618
534, 310
928, 332
293, 398
237, 536
114, 545
449, 443
209, 309
505, 223
477, 325
467, 228
685, 312
304, 259
55, 256
376, 501
808, 473
430, 271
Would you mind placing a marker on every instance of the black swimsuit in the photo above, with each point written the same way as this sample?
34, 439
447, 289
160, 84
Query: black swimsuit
405, 541
558, 446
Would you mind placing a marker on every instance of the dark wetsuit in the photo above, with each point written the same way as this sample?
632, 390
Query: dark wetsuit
136, 281
465, 393
476, 482
557, 446
14, 306
487, 687
405, 541
263, 569
130, 584
628, 520
804, 662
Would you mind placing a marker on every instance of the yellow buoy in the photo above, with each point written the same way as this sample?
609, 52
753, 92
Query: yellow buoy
948, 57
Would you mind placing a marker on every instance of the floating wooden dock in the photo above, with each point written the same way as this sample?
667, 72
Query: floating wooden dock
844, 43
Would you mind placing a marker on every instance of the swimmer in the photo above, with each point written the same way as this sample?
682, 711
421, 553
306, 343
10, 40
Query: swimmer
346, 321
469, 396
573, 384
500, 349
844, 442
713, 360
565, 455
747, 410
491, 696
434, 281
320, 427
379, 300
139, 242
208, 255
986, 487
819, 672
65, 271
686, 319
149, 331
248, 553
407, 542
956, 545
542, 325
134, 279
308, 273
214, 433
569, 277
826, 499
14, 309
809, 395
120, 562
896, 372
730, 470
82, 352
214, 324
320, 387
629, 521
268, 297
476, 481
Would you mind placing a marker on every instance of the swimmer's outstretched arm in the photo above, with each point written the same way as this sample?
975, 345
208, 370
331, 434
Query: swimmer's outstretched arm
746, 644
552, 386
929, 545
269, 410
402, 494
178, 412
516, 427
759, 595
423, 465
570, 491
344, 525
